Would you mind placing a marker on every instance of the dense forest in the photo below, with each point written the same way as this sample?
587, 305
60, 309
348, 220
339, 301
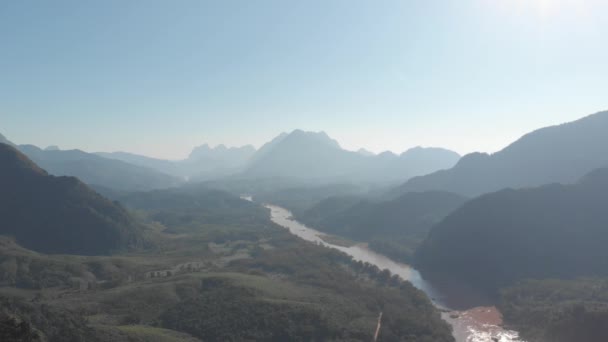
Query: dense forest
550, 231
393, 227
553, 310
539, 251
59, 214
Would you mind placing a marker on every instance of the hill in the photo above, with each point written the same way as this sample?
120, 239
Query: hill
96, 170
394, 227
314, 156
553, 231
219, 270
204, 162
165, 166
192, 204
4, 140
228, 156
58, 214
557, 154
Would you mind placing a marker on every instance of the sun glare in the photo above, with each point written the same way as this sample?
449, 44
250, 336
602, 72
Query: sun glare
547, 9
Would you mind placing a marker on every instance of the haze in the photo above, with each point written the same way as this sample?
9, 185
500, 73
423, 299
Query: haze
159, 77
337, 170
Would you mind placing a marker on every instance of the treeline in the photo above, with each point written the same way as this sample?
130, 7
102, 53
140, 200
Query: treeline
553, 310
194, 205
392, 227
408, 313
21, 321
554, 231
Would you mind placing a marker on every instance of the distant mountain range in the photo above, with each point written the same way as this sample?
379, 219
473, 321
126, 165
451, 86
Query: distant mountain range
316, 157
58, 214
204, 162
365, 152
96, 170
562, 154
298, 156
553, 231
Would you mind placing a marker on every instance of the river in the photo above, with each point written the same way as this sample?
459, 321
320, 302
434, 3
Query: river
477, 324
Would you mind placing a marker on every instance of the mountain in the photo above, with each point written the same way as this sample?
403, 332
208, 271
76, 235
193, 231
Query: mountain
365, 152
161, 165
395, 227
412, 213
58, 214
553, 231
204, 162
315, 156
300, 198
300, 155
561, 154
96, 170
4, 140
231, 156
267, 148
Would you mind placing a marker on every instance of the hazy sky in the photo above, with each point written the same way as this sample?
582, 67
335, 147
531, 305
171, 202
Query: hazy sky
158, 77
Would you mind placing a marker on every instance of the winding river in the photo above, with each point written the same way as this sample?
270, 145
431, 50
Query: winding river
479, 324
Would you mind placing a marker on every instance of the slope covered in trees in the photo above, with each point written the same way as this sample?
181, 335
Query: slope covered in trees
95, 170
58, 214
395, 227
549, 231
218, 270
554, 310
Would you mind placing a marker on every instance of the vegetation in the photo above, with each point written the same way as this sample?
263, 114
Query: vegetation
553, 310
539, 250
191, 206
59, 214
24, 322
554, 231
299, 199
394, 228
96, 170
216, 268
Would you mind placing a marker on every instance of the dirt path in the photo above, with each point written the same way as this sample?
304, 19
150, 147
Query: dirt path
378, 327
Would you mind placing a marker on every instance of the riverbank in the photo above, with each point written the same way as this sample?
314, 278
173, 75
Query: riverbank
477, 324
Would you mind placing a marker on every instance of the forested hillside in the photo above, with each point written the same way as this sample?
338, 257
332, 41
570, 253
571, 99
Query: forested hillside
550, 231
59, 214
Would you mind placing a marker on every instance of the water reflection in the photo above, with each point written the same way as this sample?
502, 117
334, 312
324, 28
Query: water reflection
480, 324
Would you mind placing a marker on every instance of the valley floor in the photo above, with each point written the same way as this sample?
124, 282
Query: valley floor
228, 282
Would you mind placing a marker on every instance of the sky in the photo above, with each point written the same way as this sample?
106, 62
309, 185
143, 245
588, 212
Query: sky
160, 77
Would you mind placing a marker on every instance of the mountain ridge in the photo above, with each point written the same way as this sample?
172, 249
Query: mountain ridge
549, 231
561, 153
96, 170
58, 214
315, 156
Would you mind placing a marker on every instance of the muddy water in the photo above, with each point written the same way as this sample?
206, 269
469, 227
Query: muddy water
479, 324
